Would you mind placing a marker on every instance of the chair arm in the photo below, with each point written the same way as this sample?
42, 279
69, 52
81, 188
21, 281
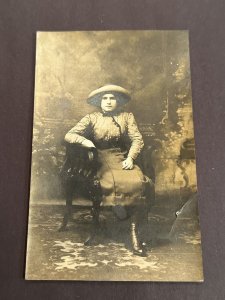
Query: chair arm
79, 161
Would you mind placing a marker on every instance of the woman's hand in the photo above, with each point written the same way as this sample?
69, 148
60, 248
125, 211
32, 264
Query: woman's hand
88, 144
128, 163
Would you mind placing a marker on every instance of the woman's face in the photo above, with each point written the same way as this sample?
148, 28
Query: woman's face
108, 103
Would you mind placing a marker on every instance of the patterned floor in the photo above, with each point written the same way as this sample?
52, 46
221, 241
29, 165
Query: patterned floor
173, 255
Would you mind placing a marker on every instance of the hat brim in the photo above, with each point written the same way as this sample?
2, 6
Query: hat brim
96, 99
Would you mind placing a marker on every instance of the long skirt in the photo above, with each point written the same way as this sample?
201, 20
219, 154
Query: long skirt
119, 186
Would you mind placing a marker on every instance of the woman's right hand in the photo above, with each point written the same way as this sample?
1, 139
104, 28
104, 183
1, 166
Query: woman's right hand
88, 144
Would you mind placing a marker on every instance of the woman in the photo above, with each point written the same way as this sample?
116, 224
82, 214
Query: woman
116, 136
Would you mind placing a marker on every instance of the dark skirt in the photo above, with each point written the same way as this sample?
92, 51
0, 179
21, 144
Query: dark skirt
120, 187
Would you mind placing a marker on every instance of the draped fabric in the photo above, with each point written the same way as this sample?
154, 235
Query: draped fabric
119, 187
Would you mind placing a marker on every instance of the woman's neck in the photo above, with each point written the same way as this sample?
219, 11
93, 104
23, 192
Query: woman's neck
111, 113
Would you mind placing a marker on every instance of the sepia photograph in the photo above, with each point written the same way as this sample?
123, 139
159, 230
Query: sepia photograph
113, 190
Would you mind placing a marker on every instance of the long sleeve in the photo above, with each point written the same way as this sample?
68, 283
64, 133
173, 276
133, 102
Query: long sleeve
77, 133
135, 136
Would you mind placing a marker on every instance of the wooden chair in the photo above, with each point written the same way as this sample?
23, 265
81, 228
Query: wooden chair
79, 173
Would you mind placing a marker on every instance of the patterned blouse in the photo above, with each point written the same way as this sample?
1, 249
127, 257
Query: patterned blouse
102, 129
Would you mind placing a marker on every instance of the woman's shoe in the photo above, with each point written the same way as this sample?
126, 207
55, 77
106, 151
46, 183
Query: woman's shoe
139, 248
92, 240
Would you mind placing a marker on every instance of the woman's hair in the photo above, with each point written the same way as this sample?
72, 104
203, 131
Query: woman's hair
120, 98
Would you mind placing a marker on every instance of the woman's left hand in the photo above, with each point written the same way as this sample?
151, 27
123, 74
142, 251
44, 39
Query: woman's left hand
128, 163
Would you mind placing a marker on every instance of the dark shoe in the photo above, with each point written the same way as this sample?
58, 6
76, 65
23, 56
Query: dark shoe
62, 228
120, 212
92, 240
139, 248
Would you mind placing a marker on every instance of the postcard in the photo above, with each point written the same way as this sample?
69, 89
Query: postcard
113, 194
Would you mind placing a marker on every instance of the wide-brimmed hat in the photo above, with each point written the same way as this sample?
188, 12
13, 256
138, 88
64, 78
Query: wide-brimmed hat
122, 95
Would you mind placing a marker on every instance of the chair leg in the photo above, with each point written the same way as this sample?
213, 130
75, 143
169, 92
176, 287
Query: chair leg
94, 233
149, 192
96, 196
67, 214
